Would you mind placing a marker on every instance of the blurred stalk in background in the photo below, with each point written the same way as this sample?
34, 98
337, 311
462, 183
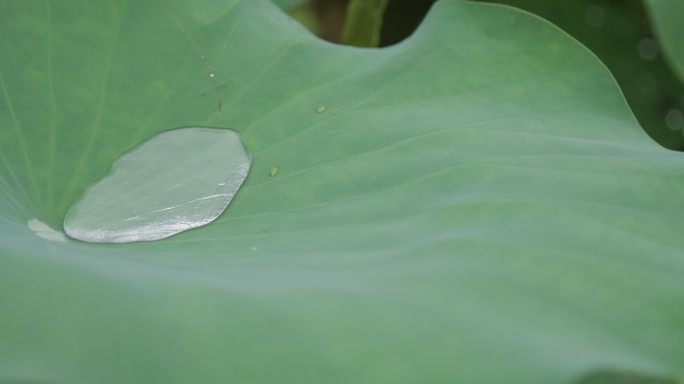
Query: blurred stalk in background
617, 31
363, 22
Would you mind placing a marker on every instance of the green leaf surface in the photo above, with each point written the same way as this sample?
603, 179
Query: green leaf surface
666, 17
476, 204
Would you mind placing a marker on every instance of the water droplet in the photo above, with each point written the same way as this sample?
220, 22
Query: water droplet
274, 170
321, 109
197, 173
44, 231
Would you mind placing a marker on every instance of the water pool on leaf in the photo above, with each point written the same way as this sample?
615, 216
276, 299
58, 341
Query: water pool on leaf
175, 181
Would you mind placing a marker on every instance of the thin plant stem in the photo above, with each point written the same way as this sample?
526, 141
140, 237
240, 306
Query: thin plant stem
363, 22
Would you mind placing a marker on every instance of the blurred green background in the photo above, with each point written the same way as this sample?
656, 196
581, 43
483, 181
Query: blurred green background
617, 31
